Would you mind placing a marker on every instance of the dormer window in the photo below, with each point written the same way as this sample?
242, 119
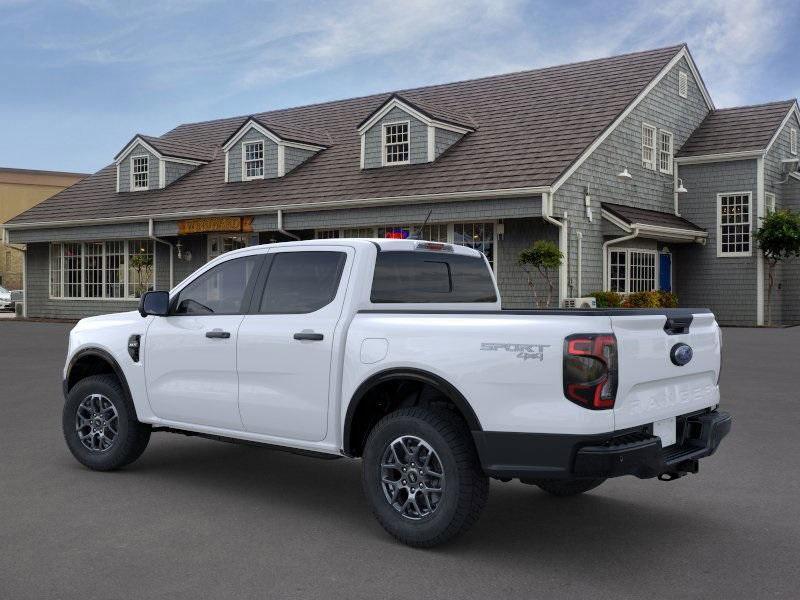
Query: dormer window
396, 148
253, 160
140, 168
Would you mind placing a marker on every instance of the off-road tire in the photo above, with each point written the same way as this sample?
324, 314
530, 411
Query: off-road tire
568, 487
465, 489
132, 436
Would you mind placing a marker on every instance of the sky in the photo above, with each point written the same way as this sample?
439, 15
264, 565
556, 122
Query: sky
81, 77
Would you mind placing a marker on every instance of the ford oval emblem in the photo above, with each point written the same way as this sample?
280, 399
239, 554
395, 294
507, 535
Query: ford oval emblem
681, 354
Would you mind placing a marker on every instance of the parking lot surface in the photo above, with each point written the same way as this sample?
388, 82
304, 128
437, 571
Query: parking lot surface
201, 519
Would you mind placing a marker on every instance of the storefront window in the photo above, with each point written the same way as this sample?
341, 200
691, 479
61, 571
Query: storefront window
220, 244
632, 271
122, 269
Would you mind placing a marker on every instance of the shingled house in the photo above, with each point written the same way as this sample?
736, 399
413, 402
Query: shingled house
623, 161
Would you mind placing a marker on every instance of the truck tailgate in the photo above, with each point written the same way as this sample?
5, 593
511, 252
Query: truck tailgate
651, 387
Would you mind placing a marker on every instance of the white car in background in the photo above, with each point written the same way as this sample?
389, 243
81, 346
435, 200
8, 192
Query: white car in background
5, 299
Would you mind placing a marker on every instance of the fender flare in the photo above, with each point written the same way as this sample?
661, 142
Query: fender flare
104, 356
420, 375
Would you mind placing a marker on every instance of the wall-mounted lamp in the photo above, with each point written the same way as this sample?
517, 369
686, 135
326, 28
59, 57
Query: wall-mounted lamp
183, 254
680, 189
624, 175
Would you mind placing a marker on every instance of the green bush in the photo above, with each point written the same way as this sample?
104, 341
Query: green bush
607, 299
668, 299
643, 300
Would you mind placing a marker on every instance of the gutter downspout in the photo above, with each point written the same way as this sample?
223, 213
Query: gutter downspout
152, 236
580, 261
281, 229
547, 211
675, 197
618, 240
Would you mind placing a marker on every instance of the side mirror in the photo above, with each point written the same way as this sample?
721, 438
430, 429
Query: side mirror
154, 303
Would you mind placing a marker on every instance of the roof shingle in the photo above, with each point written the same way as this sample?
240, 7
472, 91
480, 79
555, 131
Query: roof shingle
631, 215
738, 129
530, 127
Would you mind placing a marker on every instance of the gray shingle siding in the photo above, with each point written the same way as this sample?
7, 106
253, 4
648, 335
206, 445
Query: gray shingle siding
726, 285
786, 287
411, 214
511, 279
418, 138
175, 170
88, 233
649, 189
125, 169
270, 156
294, 157
443, 139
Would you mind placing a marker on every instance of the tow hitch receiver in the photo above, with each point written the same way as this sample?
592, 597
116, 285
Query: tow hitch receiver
681, 469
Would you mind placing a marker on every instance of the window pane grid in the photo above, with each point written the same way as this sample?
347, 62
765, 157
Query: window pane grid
101, 269
479, 236
665, 152
632, 271
396, 146
140, 172
734, 219
648, 147
254, 159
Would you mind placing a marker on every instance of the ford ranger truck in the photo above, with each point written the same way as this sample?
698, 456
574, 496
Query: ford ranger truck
397, 352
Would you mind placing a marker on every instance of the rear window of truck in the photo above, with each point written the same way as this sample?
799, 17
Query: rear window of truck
420, 277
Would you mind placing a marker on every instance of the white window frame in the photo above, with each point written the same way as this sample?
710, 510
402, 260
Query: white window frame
665, 156
61, 271
372, 231
683, 84
769, 202
720, 253
793, 141
220, 238
133, 159
263, 160
649, 164
384, 145
627, 279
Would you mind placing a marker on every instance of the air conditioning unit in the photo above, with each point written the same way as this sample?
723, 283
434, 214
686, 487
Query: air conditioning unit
589, 302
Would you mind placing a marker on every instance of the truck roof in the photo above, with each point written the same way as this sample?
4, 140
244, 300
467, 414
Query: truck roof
385, 245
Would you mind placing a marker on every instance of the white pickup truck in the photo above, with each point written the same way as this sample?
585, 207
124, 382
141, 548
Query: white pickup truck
397, 351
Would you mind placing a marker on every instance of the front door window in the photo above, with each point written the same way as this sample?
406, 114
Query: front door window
220, 244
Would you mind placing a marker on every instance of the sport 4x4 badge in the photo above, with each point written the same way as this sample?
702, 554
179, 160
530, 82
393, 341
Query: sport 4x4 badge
523, 351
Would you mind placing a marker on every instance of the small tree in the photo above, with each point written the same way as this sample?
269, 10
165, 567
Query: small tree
779, 240
142, 265
541, 258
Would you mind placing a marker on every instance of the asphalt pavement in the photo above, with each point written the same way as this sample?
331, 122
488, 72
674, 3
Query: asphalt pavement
200, 519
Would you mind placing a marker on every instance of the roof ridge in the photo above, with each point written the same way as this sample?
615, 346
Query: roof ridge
773, 103
676, 48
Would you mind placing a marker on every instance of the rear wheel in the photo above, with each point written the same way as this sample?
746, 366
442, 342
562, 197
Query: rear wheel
422, 476
567, 487
100, 425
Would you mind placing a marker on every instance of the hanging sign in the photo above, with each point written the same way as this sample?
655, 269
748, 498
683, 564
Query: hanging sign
216, 224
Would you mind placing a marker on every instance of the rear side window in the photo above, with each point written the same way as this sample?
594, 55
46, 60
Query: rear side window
406, 277
302, 282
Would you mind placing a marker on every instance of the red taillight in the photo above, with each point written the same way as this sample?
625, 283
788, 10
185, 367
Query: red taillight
590, 370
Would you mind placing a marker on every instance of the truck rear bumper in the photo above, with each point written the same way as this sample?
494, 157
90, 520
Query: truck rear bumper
632, 452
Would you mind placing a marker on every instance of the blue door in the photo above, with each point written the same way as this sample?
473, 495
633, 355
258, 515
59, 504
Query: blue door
665, 272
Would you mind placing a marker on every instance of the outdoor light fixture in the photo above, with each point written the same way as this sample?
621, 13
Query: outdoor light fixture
183, 255
624, 175
680, 189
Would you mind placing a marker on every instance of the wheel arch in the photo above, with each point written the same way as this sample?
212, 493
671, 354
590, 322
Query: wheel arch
94, 361
360, 398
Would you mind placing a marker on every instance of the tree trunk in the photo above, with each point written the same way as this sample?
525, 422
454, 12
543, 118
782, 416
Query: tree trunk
770, 273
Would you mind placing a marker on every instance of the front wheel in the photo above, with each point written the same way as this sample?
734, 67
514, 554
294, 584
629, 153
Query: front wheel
422, 476
100, 425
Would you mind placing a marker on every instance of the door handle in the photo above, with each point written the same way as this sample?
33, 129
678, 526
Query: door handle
308, 335
218, 334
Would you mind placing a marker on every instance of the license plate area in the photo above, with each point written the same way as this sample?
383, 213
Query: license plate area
666, 429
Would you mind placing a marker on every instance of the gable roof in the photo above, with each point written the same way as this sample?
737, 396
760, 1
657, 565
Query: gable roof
738, 129
170, 148
530, 126
282, 131
432, 112
640, 216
